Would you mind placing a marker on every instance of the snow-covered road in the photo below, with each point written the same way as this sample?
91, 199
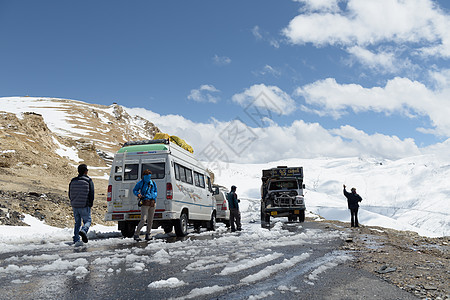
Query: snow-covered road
289, 260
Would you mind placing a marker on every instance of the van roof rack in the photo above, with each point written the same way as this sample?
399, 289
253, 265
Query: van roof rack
146, 142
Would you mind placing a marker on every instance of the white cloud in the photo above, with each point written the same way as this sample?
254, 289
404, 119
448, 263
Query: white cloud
378, 145
268, 70
366, 22
267, 97
221, 60
399, 95
382, 60
265, 36
297, 140
418, 23
204, 94
256, 32
320, 5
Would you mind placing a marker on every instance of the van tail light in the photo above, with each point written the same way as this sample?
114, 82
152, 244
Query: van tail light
224, 205
109, 194
169, 191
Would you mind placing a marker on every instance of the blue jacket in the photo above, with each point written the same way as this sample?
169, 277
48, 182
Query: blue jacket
81, 192
146, 188
232, 200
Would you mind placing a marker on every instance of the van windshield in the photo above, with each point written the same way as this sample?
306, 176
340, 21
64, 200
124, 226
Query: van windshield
158, 169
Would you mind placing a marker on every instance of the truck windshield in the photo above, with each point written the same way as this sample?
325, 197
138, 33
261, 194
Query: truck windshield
280, 185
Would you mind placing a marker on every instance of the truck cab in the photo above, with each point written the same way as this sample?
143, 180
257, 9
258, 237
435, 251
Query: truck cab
282, 194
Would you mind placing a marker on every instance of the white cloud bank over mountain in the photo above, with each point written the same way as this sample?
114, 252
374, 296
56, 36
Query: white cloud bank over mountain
399, 96
235, 141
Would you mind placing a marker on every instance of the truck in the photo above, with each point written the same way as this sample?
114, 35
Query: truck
282, 194
184, 188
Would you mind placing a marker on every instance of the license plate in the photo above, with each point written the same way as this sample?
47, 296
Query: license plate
273, 213
296, 212
157, 215
134, 216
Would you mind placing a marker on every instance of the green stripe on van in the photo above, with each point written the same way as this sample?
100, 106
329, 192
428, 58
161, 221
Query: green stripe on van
143, 148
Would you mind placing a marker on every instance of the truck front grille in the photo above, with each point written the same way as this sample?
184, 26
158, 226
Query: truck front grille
284, 200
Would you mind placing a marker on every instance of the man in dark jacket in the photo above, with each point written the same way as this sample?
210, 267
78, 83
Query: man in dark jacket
352, 200
81, 195
235, 215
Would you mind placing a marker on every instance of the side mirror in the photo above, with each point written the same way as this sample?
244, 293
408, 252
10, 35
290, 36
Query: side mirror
303, 186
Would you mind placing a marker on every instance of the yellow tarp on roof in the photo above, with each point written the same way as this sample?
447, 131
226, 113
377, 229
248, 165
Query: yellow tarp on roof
174, 139
161, 135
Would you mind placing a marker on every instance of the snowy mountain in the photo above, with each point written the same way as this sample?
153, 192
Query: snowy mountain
106, 127
406, 194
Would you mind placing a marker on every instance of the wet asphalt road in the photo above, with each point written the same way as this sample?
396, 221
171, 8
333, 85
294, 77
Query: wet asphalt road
338, 282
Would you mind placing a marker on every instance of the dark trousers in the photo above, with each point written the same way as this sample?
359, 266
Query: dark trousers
354, 217
235, 217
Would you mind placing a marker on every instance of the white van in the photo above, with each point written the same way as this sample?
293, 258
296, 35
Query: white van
184, 188
222, 210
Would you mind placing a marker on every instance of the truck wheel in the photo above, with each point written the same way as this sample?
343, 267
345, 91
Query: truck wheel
301, 216
212, 223
127, 229
265, 219
167, 228
181, 225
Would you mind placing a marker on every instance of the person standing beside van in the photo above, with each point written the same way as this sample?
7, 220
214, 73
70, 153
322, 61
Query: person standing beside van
235, 215
146, 192
81, 195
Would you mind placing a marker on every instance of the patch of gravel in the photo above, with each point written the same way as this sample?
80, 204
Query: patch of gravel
52, 208
417, 264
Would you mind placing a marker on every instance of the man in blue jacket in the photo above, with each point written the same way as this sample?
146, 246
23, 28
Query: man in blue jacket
81, 195
235, 215
146, 191
352, 200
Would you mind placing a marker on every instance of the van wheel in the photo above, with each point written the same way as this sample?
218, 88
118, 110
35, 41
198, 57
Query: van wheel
181, 225
168, 228
212, 223
127, 229
301, 216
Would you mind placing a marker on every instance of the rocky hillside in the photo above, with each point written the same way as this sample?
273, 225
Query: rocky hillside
42, 141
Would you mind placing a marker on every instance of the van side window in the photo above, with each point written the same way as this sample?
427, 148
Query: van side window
177, 171
199, 179
158, 169
188, 175
182, 173
131, 172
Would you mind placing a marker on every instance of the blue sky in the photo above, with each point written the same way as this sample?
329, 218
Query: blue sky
372, 72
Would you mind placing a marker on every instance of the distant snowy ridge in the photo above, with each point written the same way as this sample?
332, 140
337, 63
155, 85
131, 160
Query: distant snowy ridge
408, 194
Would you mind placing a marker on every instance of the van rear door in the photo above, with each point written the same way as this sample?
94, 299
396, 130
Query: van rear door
159, 176
125, 176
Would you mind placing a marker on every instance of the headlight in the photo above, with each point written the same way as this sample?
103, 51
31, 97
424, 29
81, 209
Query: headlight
299, 200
